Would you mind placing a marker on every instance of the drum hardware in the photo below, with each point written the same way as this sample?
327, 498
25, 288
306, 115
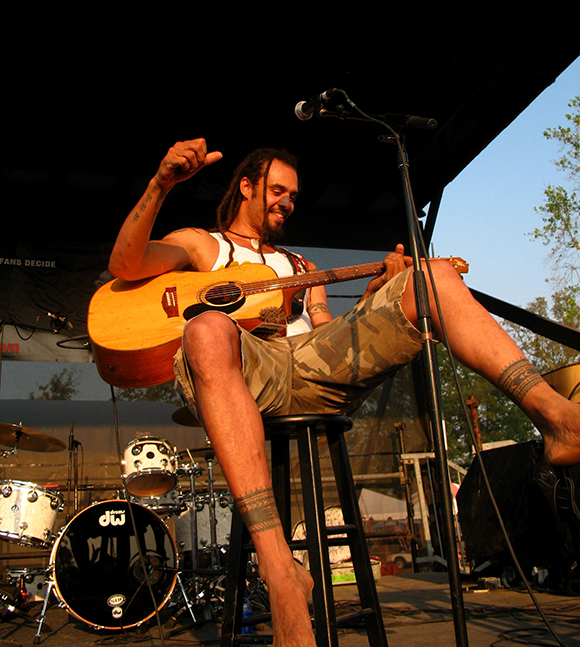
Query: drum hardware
201, 533
9, 603
192, 470
164, 505
73, 474
19, 437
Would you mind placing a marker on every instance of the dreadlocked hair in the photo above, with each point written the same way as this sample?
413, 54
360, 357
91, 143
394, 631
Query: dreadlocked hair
255, 166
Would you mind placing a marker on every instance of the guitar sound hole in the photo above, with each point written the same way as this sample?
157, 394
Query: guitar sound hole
223, 294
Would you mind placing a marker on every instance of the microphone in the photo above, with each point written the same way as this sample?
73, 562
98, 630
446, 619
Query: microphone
59, 321
305, 109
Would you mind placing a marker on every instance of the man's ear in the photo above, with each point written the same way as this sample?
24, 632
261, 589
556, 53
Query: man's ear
246, 188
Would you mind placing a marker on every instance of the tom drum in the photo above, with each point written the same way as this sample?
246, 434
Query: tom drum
28, 513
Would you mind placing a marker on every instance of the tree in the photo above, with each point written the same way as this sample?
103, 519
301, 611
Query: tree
498, 417
561, 210
61, 386
547, 355
161, 393
560, 231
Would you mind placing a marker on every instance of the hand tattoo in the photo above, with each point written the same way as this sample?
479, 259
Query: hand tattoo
258, 510
517, 379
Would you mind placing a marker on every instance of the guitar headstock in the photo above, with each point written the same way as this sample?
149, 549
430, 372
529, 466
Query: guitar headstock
459, 264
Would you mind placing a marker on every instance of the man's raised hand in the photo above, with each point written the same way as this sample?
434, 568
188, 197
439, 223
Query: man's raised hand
183, 160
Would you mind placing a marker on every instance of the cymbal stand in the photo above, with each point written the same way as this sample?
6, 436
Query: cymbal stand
73, 473
14, 450
193, 470
212, 518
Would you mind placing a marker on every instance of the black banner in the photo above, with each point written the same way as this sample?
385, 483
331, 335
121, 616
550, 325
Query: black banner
45, 290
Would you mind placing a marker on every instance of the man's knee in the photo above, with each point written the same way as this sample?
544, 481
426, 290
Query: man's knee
209, 338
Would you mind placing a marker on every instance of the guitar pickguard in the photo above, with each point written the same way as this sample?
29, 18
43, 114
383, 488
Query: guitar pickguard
197, 308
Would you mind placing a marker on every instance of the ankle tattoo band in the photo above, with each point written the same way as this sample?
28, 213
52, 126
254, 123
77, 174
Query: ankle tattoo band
258, 510
517, 379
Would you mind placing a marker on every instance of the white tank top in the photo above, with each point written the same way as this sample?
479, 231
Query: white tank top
277, 261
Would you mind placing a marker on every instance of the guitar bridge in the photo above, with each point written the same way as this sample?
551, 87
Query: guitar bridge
169, 302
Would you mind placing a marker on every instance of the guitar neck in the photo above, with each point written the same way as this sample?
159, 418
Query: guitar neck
316, 277
327, 277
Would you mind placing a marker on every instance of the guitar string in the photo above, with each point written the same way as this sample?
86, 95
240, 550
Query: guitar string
316, 277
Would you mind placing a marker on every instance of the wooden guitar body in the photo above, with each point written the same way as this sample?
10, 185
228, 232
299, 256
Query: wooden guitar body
135, 327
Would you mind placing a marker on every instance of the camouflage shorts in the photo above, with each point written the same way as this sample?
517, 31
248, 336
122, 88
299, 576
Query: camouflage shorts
330, 369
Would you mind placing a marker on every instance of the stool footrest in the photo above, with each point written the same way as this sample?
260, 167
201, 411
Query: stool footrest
354, 618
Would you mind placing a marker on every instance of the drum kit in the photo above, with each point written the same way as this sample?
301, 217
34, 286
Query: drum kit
118, 562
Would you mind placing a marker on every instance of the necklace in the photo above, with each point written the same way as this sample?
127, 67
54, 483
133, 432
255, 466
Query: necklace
254, 242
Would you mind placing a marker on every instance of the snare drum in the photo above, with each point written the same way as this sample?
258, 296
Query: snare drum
97, 569
28, 513
149, 465
33, 580
223, 520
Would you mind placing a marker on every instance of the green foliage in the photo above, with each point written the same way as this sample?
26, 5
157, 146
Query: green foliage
561, 209
498, 417
161, 393
61, 386
547, 355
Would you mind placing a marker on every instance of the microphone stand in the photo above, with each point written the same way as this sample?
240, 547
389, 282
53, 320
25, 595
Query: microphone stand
434, 400
428, 356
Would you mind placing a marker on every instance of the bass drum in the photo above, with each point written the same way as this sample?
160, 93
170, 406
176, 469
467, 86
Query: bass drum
97, 569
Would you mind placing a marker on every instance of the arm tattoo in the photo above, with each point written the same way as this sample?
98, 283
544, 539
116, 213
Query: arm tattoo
258, 510
517, 379
145, 203
317, 308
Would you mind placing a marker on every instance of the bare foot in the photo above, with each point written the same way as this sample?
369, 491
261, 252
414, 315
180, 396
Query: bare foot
559, 424
291, 621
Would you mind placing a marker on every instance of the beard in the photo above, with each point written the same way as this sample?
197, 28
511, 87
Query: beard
272, 229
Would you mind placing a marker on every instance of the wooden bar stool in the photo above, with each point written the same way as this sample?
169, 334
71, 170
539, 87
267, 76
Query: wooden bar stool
305, 429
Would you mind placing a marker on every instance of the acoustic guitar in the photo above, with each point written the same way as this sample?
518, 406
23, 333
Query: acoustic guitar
135, 327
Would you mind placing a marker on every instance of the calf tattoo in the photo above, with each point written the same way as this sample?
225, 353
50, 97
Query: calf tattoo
258, 510
517, 379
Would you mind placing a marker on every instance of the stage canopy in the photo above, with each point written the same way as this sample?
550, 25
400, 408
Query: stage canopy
90, 113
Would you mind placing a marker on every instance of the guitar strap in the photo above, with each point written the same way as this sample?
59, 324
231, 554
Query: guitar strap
298, 262
299, 266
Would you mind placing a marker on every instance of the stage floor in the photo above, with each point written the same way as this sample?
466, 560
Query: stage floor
416, 611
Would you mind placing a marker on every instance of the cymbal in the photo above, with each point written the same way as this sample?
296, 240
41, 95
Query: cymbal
29, 439
184, 417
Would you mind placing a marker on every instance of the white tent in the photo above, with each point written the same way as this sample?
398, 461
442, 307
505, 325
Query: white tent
382, 507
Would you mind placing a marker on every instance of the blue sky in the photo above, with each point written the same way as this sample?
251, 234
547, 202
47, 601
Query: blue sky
488, 210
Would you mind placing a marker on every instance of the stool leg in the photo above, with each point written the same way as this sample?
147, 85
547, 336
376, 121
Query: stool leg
359, 551
280, 458
317, 539
235, 581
